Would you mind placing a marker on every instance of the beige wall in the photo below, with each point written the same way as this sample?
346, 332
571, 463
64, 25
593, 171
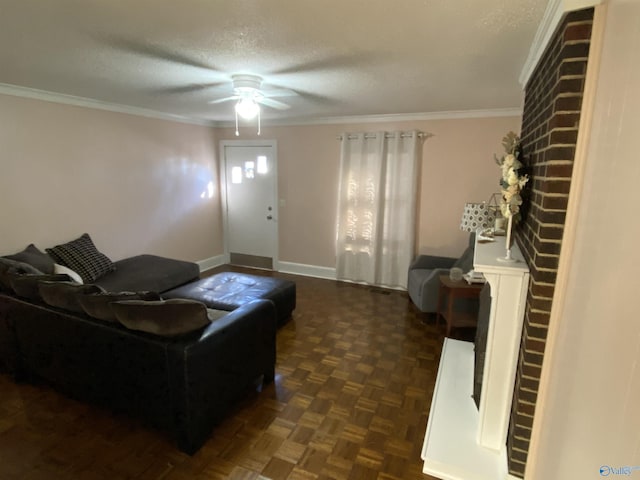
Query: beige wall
133, 183
587, 414
457, 166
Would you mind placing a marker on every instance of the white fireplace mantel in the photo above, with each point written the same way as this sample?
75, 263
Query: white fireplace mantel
463, 442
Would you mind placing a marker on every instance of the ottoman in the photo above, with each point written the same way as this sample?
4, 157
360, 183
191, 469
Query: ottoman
230, 290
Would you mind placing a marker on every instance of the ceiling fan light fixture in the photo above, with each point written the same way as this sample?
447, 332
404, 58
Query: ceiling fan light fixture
247, 108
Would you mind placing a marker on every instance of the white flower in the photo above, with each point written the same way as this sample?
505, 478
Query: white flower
508, 160
512, 177
512, 182
504, 208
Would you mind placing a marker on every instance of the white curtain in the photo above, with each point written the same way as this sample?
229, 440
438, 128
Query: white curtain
377, 207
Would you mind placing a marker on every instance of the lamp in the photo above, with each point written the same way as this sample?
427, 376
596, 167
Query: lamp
475, 216
248, 108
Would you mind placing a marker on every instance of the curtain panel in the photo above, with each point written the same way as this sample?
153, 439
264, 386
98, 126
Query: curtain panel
377, 207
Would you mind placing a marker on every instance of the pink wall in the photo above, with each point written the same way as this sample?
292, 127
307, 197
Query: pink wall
133, 183
457, 167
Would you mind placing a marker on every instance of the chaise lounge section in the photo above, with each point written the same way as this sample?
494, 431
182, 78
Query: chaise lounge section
179, 364
230, 290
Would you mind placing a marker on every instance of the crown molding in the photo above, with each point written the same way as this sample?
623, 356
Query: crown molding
553, 15
399, 117
16, 91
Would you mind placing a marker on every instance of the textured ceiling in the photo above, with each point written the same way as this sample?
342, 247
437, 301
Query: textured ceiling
341, 57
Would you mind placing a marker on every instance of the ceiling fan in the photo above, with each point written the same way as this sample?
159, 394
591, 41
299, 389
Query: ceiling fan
249, 97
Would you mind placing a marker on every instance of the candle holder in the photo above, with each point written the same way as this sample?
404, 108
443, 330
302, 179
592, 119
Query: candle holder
508, 258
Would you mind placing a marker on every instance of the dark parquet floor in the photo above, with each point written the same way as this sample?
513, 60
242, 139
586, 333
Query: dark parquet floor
354, 378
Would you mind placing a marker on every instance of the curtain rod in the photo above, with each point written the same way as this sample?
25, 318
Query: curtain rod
388, 135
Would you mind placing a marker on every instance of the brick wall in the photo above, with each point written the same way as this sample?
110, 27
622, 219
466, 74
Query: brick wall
553, 99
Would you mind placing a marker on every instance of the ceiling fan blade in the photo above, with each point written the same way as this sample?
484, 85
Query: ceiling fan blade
278, 92
155, 51
350, 60
195, 87
314, 97
269, 102
225, 99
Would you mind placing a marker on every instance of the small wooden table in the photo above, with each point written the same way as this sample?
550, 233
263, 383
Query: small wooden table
453, 290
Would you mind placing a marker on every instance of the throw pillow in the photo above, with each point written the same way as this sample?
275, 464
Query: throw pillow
167, 318
82, 256
35, 258
98, 305
57, 268
8, 267
65, 294
213, 314
26, 286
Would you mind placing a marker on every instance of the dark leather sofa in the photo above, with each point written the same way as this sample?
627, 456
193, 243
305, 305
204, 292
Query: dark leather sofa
182, 385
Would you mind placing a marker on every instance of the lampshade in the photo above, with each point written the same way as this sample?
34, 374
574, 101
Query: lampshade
475, 216
247, 108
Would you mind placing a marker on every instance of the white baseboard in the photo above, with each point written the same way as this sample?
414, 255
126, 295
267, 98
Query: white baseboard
284, 267
307, 270
211, 262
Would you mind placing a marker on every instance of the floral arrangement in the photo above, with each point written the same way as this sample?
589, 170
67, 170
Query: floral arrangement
512, 180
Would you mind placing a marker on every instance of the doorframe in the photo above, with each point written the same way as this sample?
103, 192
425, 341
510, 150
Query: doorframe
272, 143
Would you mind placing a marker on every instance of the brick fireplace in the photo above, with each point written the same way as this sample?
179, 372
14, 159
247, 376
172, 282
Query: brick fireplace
553, 99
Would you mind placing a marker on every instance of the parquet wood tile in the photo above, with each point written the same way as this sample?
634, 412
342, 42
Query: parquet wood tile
355, 374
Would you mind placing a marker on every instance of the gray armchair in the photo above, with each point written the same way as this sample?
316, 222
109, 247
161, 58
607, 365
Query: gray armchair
423, 283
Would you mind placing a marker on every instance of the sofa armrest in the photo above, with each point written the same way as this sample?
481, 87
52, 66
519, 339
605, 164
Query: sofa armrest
430, 262
211, 372
258, 314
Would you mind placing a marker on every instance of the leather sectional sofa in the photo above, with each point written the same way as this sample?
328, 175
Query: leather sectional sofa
182, 384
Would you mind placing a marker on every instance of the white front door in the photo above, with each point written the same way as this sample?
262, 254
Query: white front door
250, 181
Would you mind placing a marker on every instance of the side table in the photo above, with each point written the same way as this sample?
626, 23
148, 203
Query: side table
453, 290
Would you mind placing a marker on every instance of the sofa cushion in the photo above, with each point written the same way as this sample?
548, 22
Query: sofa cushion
148, 273
82, 256
167, 318
98, 305
230, 290
27, 286
34, 257
9, 267
65, 294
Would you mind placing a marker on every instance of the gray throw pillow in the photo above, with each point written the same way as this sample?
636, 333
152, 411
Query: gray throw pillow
65, 294
10, 267
167, 318
98, 305
35, 258
82, 256
27, 286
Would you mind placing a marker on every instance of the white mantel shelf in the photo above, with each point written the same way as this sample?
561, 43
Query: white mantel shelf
463, 442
